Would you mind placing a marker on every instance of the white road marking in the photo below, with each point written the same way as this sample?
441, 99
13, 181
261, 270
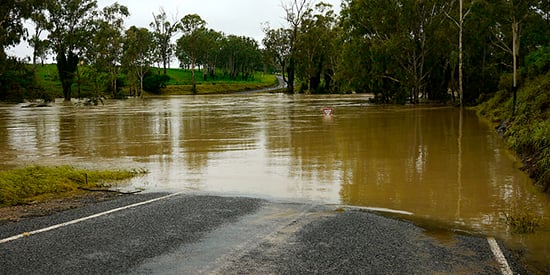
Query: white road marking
378, 209
57, 226
503, 263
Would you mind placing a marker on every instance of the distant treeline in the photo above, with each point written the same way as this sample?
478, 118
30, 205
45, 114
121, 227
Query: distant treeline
400, 50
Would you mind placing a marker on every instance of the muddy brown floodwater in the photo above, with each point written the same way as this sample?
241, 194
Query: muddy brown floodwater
444, 165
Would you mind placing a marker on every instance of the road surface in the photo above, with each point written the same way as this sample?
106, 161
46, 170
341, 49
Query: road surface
197, 234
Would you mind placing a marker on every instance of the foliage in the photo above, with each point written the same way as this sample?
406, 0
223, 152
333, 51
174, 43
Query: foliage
19, 186
524, 222
153, 83
190, 47
401, 51
538, 62
106, 50
163, 31
69, 23
137, 58
528, 131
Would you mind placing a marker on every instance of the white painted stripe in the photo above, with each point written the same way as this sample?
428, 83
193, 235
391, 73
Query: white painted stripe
504, 266
378, 209
57, 226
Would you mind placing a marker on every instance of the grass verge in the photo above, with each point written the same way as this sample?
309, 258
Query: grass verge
37, 183
527, 131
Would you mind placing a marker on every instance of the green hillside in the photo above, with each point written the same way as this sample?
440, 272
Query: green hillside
179, 82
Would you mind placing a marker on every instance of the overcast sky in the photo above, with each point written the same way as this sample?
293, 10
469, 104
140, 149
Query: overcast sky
239, 17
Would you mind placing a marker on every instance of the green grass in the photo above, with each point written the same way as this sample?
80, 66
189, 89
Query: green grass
23, 185
180, 82
528, 132
523, 222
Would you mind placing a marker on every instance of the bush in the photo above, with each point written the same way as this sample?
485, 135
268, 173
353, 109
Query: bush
154, 82
538, 62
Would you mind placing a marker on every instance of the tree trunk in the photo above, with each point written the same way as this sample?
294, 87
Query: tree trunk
460, 56
66, 67
291, 72
194, 88
515, 50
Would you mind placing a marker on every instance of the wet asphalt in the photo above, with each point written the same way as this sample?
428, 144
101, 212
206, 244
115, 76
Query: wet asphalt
198, 234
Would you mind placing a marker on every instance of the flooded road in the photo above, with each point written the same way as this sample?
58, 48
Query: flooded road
445, 166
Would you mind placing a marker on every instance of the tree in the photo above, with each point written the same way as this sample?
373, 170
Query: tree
13, 75
240, 56
40, 46
277, 45
296, 11
12, 14
211, 52
137, 58
314, 45
512, 13
163, 31
107, 47
69, 22
460, 24
192, 42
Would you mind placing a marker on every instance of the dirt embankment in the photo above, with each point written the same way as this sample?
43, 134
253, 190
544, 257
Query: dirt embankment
44, 208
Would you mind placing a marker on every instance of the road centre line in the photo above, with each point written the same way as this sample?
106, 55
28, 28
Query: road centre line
501, 259
57, 226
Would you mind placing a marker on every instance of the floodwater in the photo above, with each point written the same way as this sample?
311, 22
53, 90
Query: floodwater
444, 165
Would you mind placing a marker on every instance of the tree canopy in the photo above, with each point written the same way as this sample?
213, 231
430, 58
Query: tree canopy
400, 50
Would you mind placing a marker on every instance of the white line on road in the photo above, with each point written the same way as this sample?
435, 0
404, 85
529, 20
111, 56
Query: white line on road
53, 227
502, 262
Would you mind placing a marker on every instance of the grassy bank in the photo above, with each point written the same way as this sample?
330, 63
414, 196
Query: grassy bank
528, 131
36, 183
180, 82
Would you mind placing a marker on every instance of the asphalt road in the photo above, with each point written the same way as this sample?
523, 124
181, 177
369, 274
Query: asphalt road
197, 234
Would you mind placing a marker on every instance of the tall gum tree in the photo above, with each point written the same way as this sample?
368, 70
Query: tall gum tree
277, 45
513, 14
189, 46
295, 11
164, 30
109, 41
69, 23
137, 58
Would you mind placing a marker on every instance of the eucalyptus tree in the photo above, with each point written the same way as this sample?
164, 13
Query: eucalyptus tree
370, 48
459, 22
295, 12
12, 31
106, 49
69, 22
211, 52
40, 46
277, 46
398, 40
192, 43
314, 51
137, 58
164, 30
240, 56
512, 13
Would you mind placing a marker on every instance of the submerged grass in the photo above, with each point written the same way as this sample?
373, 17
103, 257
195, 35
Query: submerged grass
23, 185
523, 222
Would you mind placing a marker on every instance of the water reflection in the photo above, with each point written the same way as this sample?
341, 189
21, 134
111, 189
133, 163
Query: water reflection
439, 163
